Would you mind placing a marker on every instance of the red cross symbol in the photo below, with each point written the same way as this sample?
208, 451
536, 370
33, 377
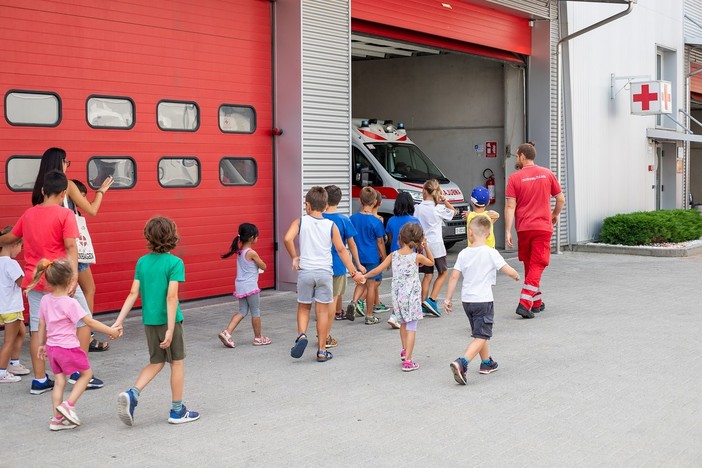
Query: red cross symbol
645, 97
666, 97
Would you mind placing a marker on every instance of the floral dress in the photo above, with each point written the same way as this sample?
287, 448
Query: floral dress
406, 287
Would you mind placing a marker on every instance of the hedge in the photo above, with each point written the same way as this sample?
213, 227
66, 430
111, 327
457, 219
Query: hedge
652, 227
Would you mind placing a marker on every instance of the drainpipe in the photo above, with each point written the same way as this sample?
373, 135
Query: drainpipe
559, 65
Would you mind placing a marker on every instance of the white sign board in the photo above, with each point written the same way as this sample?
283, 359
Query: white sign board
651, 98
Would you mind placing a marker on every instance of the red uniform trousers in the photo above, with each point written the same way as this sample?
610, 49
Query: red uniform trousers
535, 252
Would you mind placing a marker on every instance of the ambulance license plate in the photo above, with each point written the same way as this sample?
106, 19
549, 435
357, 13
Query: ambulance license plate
461, 230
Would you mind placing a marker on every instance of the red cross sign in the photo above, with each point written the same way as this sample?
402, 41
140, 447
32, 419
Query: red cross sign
651, 98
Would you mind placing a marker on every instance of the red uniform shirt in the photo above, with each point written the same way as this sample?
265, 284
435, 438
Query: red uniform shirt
532, 187
43, 229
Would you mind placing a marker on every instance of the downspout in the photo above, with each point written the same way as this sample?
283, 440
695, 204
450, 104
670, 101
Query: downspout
559, 72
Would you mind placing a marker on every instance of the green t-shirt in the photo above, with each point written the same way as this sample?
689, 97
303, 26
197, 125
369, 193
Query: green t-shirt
154, 271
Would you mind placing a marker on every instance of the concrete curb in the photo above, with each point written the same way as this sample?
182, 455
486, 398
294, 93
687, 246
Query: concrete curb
638, 250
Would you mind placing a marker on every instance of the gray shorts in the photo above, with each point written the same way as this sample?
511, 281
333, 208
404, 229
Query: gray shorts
314, 286
250, 304
481, 316
440, 265
34, 298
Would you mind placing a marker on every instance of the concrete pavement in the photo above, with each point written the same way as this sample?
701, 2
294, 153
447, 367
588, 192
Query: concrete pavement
608, 375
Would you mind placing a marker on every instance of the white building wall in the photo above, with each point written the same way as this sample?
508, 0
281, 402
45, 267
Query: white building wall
609, 151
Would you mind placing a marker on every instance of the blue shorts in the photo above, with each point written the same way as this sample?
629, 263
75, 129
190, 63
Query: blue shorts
481, 316
315, 286
83, 266
369, 267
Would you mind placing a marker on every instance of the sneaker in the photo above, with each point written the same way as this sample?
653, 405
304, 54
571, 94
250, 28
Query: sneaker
378, 308
489, 367
409, 366
536, 310
184, 416
94, 383
331, 342
226, 338
9, 377
340, 315
360, 307
61, 424
351, 312
19, 369
392, 321
126, 403
403, 354
524, 312
430, 305
40, 387
372, 320
459, 375
68, 412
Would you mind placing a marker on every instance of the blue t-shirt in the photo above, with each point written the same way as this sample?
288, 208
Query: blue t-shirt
346, 231
393, 228
369, 229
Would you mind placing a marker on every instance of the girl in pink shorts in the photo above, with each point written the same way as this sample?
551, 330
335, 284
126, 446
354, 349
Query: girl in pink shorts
59, 315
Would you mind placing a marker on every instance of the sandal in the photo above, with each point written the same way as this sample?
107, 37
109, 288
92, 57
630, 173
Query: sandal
300, 345
324, 356
331, 342
409, 366
226, 338
340, 315
98, 346
261, 341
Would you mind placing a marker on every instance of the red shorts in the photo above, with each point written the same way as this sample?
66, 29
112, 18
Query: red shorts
67, 360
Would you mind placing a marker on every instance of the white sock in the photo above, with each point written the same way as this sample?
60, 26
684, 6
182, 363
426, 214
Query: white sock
14, 362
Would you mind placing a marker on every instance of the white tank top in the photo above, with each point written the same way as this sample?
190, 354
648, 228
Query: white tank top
315, 243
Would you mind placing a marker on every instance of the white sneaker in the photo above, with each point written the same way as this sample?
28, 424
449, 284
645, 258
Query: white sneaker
9, 377
19, 369
56, 425
392, 321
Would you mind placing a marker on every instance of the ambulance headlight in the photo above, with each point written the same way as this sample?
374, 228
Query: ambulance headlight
416, 196
364, 123
400, 126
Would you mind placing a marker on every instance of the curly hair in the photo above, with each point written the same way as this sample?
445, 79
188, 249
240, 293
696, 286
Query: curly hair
161, 234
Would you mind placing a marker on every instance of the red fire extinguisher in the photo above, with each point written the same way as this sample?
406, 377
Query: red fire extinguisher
490, 184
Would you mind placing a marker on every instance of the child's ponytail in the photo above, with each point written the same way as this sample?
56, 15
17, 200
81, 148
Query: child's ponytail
247, 231
234, 248
58, 273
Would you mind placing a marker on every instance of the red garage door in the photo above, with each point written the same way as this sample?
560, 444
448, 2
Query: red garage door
171, 98
452, 25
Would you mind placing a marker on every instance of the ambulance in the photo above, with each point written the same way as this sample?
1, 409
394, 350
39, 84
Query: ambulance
383, 157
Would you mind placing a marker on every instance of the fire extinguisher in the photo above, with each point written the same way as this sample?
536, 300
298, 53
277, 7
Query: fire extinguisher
490, 184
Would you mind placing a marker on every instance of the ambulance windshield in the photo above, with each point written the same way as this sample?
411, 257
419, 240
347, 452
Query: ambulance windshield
406, 162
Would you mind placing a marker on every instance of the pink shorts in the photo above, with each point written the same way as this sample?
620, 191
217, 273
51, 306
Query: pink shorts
67, 360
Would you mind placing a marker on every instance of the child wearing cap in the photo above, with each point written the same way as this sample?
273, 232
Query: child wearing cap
479, 198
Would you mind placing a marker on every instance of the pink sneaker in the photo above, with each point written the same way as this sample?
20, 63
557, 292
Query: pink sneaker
403, 353
68, 412
226, 338
409, 366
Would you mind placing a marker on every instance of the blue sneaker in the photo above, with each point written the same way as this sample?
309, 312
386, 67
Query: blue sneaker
459, 372
486, 368
185, 416
41, 387
126, 402
94, 383
430, 305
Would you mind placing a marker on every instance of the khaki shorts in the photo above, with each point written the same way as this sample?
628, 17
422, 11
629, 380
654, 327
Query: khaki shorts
155, 334
11, 317
339, 285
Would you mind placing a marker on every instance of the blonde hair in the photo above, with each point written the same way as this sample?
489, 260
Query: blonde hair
161, 234
433, 188
58, 273
480, 226
411, 235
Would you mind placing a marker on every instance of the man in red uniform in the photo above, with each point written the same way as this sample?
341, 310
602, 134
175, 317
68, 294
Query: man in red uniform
529, 192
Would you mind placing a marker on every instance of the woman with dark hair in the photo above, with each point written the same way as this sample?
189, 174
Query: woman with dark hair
54, 159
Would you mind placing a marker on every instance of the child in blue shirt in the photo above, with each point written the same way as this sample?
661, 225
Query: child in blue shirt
371, 251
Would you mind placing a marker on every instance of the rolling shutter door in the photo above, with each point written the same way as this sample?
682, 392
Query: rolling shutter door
326, 96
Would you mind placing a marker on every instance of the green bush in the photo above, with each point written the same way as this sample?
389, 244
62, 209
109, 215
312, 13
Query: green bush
652, 227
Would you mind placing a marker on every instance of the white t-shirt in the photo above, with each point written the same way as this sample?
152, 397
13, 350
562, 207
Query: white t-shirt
10, 293
432, 217
316, 243
479, 266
